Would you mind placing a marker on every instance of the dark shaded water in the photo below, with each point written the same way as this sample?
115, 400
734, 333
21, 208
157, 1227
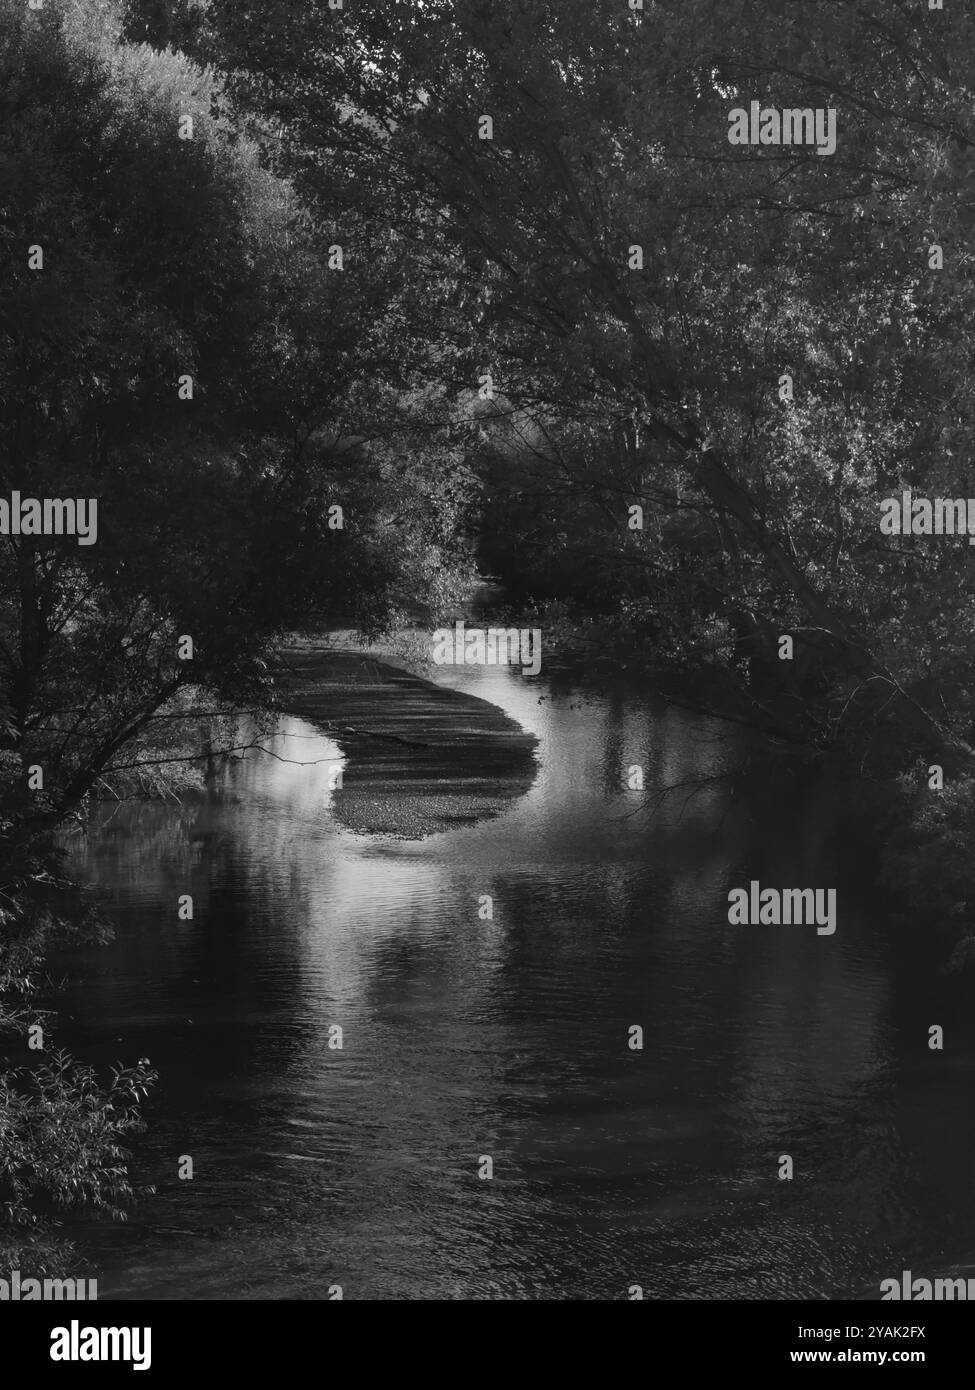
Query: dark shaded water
508, 1038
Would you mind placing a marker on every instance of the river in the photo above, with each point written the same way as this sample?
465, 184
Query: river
466, 1038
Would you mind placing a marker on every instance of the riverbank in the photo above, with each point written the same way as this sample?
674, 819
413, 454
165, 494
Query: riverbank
421, 758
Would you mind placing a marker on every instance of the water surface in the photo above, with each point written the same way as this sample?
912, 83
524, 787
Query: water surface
466, 1038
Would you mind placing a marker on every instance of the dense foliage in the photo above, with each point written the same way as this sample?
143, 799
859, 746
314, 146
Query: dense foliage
305, 212
660, 386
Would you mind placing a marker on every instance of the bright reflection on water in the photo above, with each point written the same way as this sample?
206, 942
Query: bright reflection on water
508, 1038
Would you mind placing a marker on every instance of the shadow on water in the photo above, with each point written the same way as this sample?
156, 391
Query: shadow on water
508, 1037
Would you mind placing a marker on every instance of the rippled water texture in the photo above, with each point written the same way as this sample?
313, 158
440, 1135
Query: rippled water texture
508, 1038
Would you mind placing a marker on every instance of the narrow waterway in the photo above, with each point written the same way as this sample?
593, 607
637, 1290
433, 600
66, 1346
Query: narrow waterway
465, 1038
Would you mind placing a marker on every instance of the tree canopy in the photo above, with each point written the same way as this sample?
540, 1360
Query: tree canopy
660, 385
186, 355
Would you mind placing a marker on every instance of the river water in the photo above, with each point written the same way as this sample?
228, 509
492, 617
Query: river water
466, 1038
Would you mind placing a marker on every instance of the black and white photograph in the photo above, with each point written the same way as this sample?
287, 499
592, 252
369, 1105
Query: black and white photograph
487, 667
